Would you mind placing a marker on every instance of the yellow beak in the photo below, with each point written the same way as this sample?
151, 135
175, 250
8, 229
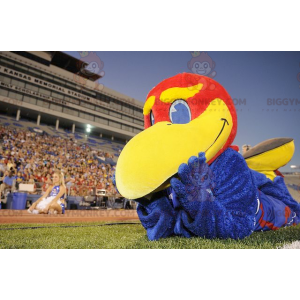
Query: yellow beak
154, 155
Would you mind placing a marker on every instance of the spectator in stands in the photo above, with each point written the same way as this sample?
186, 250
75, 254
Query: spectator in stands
47, 182
7, 182
1, 176
38, 177
32, 181
10, 165
2, 164
26, 175
19, 179
70, 180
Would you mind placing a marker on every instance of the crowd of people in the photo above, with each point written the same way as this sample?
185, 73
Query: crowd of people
30, 157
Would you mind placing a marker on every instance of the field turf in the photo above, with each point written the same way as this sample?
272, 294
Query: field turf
126, 236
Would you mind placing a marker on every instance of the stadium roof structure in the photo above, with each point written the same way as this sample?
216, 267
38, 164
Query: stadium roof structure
46, 89
61, 60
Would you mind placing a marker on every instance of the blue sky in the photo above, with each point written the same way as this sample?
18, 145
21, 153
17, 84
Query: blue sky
251, 78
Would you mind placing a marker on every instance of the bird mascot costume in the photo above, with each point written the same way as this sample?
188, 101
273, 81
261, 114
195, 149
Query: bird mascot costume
188, 178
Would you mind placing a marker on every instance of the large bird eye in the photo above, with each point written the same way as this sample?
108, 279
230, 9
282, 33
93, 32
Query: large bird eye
152, 118
180, 112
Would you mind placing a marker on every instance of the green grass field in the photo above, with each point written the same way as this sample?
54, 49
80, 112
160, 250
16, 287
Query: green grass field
95, 235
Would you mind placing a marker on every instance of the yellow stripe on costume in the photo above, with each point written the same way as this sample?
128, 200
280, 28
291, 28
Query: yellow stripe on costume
269, 161
148, 105
172, 94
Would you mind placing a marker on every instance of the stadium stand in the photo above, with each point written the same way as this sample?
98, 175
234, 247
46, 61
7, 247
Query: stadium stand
35, 152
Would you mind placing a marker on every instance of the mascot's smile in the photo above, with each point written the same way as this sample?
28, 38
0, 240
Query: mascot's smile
224, 124
203, 119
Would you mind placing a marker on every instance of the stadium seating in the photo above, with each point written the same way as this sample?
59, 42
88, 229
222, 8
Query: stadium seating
83, 159
104, 144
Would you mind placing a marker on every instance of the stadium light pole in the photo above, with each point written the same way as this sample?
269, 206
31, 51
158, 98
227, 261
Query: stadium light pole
88, 130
